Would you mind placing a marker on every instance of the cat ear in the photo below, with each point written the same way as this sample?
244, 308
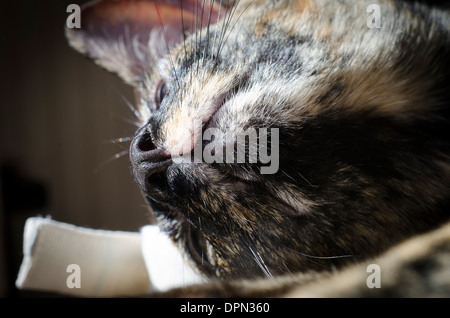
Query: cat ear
123, 36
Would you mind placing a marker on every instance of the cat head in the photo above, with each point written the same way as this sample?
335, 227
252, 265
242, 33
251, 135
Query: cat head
281, 136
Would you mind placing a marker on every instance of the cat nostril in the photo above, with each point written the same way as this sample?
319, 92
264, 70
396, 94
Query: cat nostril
143, 151
146, 143
149, 163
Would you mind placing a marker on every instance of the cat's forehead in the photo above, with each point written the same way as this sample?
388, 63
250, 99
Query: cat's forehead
206, 50
315, 66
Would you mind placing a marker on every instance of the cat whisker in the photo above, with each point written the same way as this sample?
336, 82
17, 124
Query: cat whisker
200, 229
328, 257
163, 30
195, 31
131, 122
118, 140
191, 223
304, 178
258, 259
201, 27
225, 24
123, 119
138, 116
111, 159
182, 27
231, 14
290, 177
133, 109
207, 29
322, 257
218, 18
287, 175
272, 252
314, 259
261, 263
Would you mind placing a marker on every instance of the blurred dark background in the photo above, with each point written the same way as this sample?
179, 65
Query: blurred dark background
58, 111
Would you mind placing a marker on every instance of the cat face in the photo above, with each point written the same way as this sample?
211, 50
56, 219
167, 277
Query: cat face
282, 136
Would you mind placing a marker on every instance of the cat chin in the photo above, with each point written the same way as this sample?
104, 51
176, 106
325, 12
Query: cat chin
187, 237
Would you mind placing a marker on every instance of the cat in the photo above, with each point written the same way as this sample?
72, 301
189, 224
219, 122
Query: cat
352, 107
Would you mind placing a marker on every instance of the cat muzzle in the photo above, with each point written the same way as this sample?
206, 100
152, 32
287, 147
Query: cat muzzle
149, 163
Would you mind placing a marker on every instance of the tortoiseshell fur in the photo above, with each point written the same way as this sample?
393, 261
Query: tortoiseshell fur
364, 121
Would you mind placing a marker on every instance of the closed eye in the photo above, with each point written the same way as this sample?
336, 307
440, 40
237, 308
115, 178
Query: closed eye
160, 93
